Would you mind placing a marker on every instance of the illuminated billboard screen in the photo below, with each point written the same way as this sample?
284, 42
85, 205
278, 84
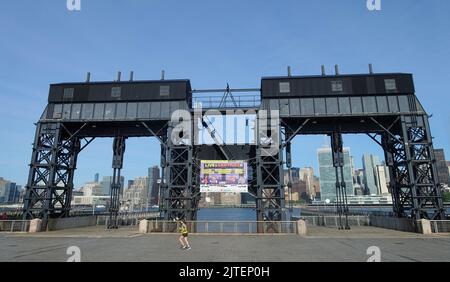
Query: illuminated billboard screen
223, 176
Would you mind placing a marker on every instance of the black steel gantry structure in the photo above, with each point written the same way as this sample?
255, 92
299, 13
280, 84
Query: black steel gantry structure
383, 106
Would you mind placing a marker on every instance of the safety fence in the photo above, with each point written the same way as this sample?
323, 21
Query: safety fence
315, 211
334, 221
401, 224
440, 226
14, 225
241, 227
127, 219
226, 227
124, 219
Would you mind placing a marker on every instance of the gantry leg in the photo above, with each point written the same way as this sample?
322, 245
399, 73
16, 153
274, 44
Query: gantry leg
341, 193
116, 184
50, 180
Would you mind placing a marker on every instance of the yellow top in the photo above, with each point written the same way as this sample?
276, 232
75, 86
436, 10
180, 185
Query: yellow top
183, 229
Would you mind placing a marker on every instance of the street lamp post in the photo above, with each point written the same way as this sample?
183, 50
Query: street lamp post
94, 203
327, 201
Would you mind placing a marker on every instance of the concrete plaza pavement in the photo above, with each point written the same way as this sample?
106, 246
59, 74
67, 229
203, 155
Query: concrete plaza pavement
321, 244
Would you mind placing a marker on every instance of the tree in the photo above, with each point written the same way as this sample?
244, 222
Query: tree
446, 196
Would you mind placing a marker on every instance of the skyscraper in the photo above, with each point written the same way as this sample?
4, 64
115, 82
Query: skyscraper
316, 182
295, 174
92, 189
136, 196
106, 185
370, 163
358, 182
328, 175
358, 177
9, 191
14, 193
307, 175
153, 186
448, 165
4, 184
441, 165
382, 180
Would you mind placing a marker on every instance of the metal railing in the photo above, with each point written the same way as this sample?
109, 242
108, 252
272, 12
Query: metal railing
227, 227
14, 225
354, 211
440, 226
127, 218
333, 221
213, 102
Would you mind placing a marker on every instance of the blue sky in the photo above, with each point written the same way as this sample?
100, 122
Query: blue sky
211, 43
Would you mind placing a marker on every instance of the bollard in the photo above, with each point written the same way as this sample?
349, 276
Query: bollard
301, 227
424, 226
35, 225
143, 226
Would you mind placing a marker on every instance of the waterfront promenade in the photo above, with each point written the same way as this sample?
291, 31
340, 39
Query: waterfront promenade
321, 244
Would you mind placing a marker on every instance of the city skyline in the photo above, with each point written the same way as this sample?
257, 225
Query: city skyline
327, 173
33, 62
304, 174
102, 178
372, 176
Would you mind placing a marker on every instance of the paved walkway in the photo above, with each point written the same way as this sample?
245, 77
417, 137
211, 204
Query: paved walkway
321, 244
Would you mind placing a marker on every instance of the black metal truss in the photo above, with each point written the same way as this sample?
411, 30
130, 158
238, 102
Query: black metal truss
195, 191
179, 195
394, 150
406, 140
410, 157
50, 181
270, 190
270, 198
163, 184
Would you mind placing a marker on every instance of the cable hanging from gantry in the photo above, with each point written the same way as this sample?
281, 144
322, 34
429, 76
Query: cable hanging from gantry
225, 96
212, 132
